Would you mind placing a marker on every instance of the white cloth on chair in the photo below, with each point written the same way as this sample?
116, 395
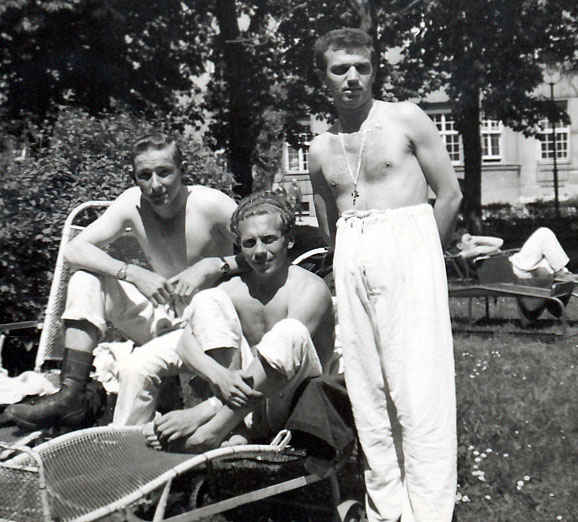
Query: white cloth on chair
14, 389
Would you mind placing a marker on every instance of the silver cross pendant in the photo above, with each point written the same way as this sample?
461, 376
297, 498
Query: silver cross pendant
354, 195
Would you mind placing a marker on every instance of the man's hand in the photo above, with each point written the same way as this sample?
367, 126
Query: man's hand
153, 286
234, 388
203, 274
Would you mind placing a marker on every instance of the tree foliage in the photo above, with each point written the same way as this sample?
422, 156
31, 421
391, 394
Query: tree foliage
488, 57
98, 50
245, 61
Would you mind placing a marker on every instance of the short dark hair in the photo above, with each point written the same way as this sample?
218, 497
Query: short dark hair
264, 202
156, 141
344, 38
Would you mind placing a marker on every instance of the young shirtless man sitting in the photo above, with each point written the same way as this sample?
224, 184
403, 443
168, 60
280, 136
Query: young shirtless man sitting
183, 232
253, 338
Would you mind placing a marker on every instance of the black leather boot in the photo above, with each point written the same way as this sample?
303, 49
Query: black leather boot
67, 407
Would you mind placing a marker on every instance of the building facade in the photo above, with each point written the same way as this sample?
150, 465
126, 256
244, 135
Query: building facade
515, 168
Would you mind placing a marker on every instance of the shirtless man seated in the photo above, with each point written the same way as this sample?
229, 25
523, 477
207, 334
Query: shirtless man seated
254, 338
183, 231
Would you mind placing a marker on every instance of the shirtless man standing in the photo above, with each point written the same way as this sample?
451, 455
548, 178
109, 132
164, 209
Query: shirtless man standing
183, 232
370, 174
257, 335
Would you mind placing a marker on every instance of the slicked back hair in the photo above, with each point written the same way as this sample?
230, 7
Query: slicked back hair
156, 141
261, 203
345, 38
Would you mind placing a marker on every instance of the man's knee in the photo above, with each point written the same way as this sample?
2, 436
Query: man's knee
84, 302
136, 370
287, 346
544, 233
291, 329
84, 281
209, 304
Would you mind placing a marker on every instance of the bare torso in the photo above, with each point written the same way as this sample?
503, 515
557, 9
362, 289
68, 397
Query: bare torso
390, 176
172, 245
259, 312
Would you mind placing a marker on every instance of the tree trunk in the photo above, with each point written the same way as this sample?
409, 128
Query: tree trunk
241, 139
469, 126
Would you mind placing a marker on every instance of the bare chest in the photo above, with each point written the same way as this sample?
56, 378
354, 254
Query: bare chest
371, 155
170, 246
258, 317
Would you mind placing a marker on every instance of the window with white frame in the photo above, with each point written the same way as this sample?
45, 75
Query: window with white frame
491, 137
450, 136
297, 158
546, 140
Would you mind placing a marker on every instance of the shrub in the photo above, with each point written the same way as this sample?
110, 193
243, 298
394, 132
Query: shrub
514, 223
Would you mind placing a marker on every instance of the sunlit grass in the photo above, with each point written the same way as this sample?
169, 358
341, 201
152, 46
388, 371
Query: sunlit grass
517, 428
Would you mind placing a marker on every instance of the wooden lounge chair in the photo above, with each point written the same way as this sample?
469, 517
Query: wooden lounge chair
495, 278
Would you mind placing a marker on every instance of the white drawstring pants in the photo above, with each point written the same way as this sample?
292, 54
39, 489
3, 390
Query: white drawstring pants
392, 303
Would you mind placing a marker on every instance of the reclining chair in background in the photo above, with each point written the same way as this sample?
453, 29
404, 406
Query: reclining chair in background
494, 277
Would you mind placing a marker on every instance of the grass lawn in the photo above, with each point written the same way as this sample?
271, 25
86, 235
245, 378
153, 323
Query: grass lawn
517, 422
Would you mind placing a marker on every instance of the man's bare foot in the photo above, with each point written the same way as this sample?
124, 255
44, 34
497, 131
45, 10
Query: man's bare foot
151, 439
211, 434
180, 424
239, 437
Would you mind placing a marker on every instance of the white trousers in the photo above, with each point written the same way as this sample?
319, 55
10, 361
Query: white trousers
541, 250
287, 348
392, 303
101, 299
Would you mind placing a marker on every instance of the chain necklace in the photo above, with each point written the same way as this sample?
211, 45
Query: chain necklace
355, 178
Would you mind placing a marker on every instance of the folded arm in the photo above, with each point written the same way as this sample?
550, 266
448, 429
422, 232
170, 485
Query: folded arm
86, 251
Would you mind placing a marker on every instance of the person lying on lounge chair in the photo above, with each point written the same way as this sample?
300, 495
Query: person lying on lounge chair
540, 254
254, 338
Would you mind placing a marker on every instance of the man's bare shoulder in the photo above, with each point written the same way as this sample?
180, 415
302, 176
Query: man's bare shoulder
207, 195
402, 109
210, 201
127, 201
406, 111
319, 150
303, 283
320, 143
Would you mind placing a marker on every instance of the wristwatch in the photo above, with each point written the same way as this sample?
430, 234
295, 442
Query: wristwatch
121, 274
225, 268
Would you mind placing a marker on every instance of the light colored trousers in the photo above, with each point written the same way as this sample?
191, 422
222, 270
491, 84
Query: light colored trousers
392, 303
542, 250
287, 348
101, 299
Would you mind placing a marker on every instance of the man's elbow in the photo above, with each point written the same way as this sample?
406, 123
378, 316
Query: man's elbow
68, 252
452, 200
457, 197
72, 252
